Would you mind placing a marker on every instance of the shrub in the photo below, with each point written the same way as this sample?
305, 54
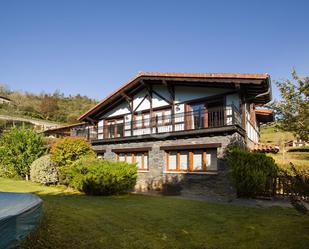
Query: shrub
249, 171
70, 149
19, 147
44, 171
299, 149
101, 177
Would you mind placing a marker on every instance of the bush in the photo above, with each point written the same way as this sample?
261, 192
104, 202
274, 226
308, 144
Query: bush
19, 147
44, 171
299, 149
68, 150
249, 171
101, 177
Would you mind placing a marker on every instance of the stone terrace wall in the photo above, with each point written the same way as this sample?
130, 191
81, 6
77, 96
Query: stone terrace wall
188, 184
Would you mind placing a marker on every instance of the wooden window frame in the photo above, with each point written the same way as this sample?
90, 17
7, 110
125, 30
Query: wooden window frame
106, 124
163, 116
143, 126
133, 155
190, 160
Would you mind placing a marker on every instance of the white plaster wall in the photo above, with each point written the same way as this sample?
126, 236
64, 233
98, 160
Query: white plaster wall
121, 109
127, 124
185, 93
138, 98
158, 101
252, 134
100, 129
179, 117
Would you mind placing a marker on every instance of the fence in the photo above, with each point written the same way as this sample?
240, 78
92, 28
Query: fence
283, 186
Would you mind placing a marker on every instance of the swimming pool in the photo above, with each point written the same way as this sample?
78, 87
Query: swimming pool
19, 215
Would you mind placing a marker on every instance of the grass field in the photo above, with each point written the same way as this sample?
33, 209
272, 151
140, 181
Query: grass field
72, 220
299, 159
272, 135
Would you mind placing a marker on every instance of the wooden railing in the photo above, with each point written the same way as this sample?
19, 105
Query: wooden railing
282, 186
194, 120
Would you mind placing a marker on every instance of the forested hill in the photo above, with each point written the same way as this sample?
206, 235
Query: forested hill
54, 107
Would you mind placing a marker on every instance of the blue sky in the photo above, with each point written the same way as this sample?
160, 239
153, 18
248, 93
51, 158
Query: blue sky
92, 47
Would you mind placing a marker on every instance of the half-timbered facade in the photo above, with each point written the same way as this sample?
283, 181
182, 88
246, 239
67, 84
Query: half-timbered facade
177, 125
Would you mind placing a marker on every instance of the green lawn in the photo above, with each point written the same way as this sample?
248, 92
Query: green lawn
72, 220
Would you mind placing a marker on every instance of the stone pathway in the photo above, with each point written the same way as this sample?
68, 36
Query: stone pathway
259, 203
240, 201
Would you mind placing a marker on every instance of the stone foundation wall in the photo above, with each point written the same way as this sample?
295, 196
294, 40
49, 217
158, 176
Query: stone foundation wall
187, 184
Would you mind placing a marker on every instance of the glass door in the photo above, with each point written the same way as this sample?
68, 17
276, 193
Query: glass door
198, 114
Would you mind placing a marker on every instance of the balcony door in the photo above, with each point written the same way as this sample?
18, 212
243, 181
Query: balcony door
195, 116
215, 111
209, 113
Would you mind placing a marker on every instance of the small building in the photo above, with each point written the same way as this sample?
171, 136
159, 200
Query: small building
296, 143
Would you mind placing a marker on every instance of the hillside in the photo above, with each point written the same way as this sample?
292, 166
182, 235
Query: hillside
272, 135
55, 107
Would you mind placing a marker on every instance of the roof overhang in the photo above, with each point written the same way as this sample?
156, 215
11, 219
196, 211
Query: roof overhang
255, 87
63, 128
264, 115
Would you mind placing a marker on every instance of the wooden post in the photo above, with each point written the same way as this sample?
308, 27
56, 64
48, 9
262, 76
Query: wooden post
206, 118
243, 115
149, 92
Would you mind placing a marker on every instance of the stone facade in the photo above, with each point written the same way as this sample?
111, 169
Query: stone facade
157, 179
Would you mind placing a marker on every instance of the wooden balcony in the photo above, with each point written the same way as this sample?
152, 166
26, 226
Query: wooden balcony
219, 119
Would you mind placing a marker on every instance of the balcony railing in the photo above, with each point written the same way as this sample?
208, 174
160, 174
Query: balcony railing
194, 120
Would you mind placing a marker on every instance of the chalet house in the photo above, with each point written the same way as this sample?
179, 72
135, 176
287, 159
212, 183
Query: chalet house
176, 126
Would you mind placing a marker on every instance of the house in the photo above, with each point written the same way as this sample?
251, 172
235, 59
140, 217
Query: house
176, 126
296, 143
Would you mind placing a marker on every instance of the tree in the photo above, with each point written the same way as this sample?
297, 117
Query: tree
292, 112
19, 147
4, 90
49, 106
70, 149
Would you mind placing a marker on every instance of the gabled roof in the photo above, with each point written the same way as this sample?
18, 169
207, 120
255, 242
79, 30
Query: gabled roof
260, 84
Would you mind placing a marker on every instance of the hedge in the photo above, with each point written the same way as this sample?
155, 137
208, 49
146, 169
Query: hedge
299, 149
249, 171
100, 177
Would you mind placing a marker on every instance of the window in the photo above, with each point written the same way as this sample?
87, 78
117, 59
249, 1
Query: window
163, 117
198, 112
187, 160
140, 158
114, 128
142, 120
